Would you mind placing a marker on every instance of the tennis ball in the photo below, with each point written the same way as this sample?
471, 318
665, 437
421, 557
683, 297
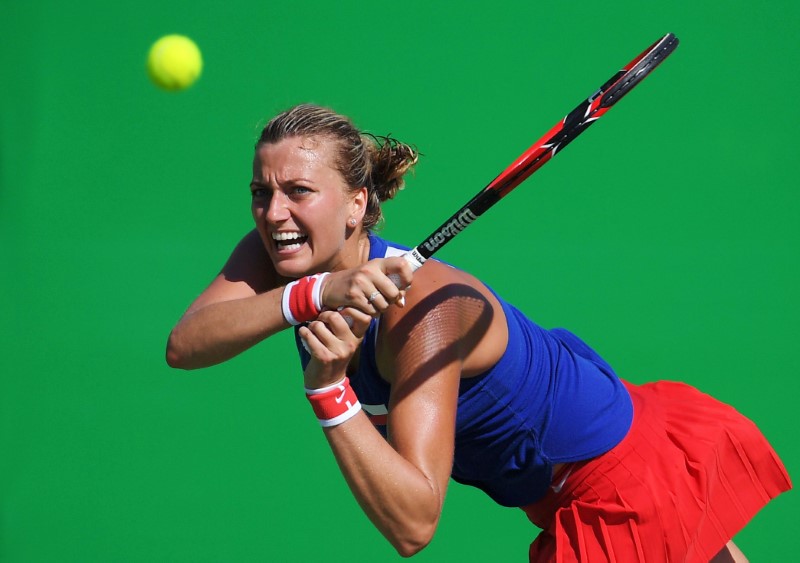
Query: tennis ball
174, 62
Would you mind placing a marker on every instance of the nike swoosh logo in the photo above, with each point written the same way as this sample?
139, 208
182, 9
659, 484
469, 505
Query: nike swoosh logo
557, 488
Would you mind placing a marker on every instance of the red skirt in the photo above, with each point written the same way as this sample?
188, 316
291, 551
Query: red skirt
689, 475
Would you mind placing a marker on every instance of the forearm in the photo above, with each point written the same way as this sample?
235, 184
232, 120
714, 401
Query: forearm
398, 497
220, 331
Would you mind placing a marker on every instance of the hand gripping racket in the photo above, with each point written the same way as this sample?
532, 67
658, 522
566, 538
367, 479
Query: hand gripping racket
563, 133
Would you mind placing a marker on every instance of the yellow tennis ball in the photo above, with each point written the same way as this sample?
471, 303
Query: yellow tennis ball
174, 62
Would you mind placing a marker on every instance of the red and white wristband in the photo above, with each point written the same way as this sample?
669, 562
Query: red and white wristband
302, 299
334, 404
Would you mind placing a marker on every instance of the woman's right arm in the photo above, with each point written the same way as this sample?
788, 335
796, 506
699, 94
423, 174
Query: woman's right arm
240, 308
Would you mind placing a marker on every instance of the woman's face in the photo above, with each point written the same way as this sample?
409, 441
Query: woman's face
301, 206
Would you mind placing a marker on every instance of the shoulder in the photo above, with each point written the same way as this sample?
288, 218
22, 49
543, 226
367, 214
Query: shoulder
249, 263
437, 278
449, 315
251, 243
248, 271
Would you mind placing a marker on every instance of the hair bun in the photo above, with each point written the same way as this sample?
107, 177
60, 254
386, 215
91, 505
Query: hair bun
391, 160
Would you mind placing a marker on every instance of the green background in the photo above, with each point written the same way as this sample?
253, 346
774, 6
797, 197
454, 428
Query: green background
667, 237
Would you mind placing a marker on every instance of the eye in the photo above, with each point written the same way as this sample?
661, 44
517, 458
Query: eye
258, 193
299, 191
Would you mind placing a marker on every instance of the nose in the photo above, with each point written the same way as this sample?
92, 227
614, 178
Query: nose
278, 208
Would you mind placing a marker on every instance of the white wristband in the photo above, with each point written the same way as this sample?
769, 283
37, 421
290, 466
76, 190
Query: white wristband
316, 292
325, 389
287, 310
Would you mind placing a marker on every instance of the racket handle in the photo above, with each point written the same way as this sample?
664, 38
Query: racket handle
414, 259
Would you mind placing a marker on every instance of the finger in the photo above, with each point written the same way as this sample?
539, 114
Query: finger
378, 301
324, 336
312, 344
357, 320
399, 271
338, 325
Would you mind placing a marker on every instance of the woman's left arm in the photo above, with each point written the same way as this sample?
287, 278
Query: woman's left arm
401, 484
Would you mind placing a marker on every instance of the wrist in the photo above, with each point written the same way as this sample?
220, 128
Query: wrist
302, 299
322, 286
334, 404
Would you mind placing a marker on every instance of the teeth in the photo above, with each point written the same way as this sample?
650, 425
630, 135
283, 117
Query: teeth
289, 240
287, 236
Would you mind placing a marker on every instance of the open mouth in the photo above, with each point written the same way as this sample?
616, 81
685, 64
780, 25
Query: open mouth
286, 241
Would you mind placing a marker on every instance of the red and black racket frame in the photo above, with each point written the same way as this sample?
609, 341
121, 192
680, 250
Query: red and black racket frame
543, 150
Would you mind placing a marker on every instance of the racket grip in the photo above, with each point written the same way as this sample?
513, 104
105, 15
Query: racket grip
415, 261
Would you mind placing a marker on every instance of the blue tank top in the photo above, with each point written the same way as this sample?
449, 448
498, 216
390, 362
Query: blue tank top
549, 399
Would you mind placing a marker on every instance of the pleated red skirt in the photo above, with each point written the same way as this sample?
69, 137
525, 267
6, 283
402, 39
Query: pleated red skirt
689, 475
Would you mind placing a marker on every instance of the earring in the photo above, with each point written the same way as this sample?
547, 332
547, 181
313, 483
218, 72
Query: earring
352, 222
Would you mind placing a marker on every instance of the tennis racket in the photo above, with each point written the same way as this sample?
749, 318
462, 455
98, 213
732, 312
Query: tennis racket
554, 141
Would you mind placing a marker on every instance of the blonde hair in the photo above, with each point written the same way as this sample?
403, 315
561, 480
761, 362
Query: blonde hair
378, 163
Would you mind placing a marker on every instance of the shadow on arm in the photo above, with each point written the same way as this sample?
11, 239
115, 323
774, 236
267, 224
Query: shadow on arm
441, 329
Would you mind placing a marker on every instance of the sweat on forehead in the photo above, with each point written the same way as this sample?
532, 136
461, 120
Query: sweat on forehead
314, 142
296, 154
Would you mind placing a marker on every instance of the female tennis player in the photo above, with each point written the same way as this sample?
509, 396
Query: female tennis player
444, 378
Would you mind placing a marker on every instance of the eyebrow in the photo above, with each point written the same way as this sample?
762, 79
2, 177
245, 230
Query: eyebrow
288, 181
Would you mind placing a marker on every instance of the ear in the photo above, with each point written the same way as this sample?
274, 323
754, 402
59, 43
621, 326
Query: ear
358, 204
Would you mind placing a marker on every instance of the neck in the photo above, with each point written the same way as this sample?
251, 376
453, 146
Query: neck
355, 253
363, 248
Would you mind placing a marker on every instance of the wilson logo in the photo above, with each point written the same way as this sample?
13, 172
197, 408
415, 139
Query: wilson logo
450, 230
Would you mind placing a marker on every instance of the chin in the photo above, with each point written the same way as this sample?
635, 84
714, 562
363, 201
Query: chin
288, 270
295, 268
297, 265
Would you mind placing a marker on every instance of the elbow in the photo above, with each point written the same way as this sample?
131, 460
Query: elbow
416, 532
409, 548
412, 543
174, 360
175, 356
